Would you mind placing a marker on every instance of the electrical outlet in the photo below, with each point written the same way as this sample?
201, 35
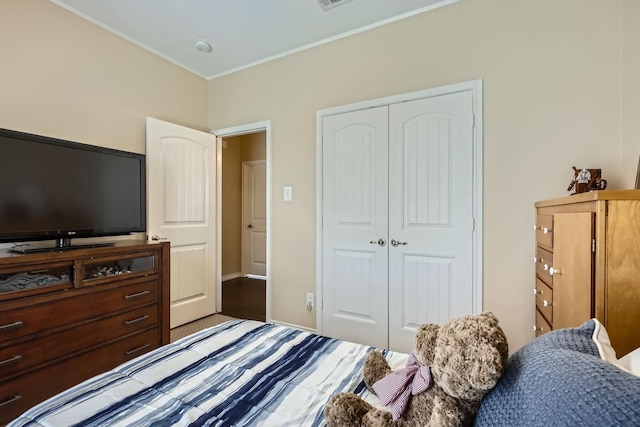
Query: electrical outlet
309, 301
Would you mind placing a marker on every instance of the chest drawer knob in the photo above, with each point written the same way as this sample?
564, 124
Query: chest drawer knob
554, 271
546, 303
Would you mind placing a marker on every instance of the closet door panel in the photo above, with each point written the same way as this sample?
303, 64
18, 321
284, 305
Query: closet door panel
430, 214
354, 264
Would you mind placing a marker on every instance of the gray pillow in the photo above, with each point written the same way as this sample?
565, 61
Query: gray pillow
559, 379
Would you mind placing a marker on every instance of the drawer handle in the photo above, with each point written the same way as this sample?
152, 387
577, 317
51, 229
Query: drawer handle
536, 328
11, 325
135, 350
546, 303
12, 360
139, 294
139, 319
535, 292
10, 400
554, 271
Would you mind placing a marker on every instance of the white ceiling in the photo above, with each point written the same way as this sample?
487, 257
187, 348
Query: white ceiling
242, 33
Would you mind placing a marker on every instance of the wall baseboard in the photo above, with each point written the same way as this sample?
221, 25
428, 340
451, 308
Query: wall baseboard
290, 325
231, 276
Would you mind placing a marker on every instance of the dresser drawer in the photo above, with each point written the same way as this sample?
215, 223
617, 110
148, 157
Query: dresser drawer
24, 280
20, 394
47, 316
544, 230
542, 326
544, 262
27, 354
544, 300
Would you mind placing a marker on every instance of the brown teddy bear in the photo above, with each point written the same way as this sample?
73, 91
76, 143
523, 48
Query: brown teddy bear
452, 368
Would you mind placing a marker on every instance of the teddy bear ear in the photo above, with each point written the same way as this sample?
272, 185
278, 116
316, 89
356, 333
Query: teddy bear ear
489, 317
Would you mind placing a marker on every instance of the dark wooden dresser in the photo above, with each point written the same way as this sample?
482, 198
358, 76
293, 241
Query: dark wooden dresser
68, 315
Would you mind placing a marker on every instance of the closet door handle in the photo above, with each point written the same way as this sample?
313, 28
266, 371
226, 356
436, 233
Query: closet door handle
380, 242
396, 242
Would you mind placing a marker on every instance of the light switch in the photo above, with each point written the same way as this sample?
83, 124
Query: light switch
287, 193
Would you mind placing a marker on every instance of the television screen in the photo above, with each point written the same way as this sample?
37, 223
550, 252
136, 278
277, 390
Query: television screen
55, 189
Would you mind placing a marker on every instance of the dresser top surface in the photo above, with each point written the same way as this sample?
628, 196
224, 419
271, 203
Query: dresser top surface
7, 257
591, 196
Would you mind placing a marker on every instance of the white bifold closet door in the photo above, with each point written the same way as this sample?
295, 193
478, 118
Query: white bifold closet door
397, 229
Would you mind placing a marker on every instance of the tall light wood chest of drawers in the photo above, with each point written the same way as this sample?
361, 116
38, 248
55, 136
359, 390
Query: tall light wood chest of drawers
68, 315
588, 264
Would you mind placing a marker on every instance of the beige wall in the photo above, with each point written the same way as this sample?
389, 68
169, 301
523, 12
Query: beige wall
254, 146
238, 149
631, 92
552, 74
232, 206
62, 76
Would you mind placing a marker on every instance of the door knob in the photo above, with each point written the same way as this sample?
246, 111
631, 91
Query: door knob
396, 242
156, 237
250, 226
380, 242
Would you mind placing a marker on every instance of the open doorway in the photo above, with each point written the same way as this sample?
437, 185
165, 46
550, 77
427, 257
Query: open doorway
243, 206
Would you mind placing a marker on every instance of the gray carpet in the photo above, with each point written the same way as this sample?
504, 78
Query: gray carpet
198, 325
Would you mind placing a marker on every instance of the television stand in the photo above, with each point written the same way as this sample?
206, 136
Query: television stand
61, 245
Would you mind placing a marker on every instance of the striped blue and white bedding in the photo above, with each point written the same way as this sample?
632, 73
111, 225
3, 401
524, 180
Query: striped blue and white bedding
239, 373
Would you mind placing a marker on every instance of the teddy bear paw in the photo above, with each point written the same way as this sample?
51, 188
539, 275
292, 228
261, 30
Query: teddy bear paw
346, 410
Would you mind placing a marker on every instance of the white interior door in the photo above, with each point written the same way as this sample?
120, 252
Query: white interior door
430, 214
181, 197
354, 220
254, 218
403, 175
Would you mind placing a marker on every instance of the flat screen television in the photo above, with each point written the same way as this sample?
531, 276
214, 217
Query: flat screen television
51, 189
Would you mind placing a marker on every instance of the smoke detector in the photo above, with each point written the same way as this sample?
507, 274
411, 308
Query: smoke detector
329, 4
202, 46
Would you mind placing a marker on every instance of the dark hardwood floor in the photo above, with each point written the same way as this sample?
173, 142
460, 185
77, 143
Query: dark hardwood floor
244, 298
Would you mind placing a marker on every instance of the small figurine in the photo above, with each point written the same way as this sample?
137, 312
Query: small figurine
587, 180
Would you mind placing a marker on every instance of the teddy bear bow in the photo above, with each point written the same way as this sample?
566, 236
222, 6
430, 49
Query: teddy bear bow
395, 389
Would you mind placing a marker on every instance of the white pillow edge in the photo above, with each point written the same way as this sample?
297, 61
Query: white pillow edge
607, 353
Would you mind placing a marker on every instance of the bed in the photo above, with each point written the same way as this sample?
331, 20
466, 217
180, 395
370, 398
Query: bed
239, 373
248, 373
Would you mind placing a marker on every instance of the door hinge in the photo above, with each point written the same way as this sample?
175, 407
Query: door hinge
593, 245
473, 120
473, 224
